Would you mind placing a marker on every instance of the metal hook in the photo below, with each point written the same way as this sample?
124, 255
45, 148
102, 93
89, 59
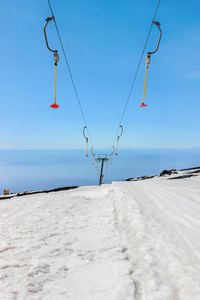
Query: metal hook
111, 155
118, 139
47, 21
113, 150
92, 151
158, 25
121, 131
86, 140
93, 156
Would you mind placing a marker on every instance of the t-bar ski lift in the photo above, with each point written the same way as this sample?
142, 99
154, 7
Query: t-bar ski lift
56, 60
148, 58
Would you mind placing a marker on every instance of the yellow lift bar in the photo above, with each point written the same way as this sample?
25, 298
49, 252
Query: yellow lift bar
147, 61
56, 59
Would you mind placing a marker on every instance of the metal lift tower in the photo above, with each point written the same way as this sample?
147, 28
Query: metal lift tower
102, 158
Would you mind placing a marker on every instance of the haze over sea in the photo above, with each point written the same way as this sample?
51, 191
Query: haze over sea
26, 170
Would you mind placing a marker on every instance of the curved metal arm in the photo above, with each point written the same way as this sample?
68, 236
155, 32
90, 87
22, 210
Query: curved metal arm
121, 131
93, 156
111, 155
113, 150
84, 133
47, 21
92, 151
158, 25
86, 140
118, 139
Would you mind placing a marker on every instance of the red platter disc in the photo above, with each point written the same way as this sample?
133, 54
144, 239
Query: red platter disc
54, 105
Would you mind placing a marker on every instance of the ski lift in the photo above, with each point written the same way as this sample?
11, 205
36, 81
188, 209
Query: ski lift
147, 61
86, 141
56, 60
111, 155
93, 156
116, 153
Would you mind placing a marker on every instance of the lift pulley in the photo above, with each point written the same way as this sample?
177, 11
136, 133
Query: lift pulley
56, 60
147, 61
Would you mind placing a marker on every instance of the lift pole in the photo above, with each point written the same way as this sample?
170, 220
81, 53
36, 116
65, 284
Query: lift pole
102, 160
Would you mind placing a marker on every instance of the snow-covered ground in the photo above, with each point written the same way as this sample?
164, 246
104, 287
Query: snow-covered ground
127, 240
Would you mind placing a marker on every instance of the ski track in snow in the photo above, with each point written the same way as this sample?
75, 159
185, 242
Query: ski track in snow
160, 225
137, 240
62, 246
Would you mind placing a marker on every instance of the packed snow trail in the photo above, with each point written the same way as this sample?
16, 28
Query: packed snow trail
62, 246
137, 240
159, 220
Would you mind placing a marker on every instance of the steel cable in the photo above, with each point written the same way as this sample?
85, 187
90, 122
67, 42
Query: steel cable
136, 73
70, 73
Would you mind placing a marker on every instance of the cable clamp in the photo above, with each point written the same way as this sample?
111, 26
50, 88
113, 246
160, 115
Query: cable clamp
56, 57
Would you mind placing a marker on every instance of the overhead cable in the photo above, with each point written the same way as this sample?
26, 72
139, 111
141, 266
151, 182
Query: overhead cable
136, 73
70, 73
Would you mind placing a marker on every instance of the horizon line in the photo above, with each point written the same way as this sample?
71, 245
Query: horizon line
100, 149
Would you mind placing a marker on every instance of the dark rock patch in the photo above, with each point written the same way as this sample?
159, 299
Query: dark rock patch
182, 177
190, 169
139, 178
197, 171
40, 192
168, 172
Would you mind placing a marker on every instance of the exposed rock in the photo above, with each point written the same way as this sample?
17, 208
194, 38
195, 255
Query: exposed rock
139, 178
40, 192
168, 172
182, 177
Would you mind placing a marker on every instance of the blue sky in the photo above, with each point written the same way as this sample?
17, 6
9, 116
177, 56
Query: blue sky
103, 41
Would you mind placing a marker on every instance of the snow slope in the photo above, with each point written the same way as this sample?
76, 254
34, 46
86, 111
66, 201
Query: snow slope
128, 240
62, 246
159, 220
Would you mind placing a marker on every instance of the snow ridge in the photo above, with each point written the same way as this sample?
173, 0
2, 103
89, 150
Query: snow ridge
159, 224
